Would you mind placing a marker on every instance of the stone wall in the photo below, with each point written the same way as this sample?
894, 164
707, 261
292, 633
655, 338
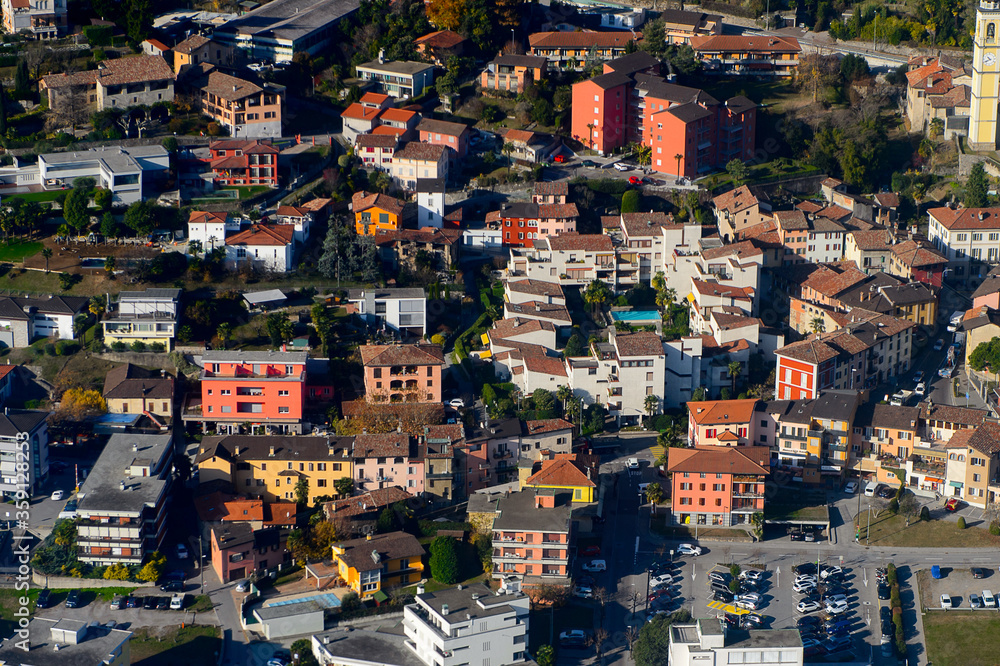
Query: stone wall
159, 360
68, 582
966, 162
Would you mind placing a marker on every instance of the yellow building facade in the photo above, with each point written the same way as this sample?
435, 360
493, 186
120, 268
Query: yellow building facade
985, 78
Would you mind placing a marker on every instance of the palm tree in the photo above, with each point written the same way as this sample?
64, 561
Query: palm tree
563, 393
735, 368
47, 253
817, 325
507, 149
650, 404
596, 294
98, 306
591, 126
654, 493
678, 157
225, 332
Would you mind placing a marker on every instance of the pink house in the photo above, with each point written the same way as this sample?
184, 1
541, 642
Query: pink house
454, 136
384, 460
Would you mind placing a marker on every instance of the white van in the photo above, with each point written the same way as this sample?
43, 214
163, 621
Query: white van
870, 489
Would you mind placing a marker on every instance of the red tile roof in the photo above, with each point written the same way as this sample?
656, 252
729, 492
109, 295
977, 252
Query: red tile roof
388, 355
424, 152
133, 69
263, 235
745, 43
914, 255
709, 412
966, 218
581, 242
359, 112
736, 200
754, 460
560, 472
545, 365
362, 201
442, 39
543, 426
201, 217
550, 40
365, 503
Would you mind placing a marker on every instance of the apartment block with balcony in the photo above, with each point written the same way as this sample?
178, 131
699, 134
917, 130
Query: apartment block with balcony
387, 459
402, 373
239, 162
489, 456
574, 49
238, 550
439, 447
149, 317
268, 467
973, 472
813, 436
748, 55
123, 501
717, 486
246, 109
400, 79
42, 19
13, 424
532, 537
263, 389
723, 422
969, 239
468, 625
401, 310
512, 73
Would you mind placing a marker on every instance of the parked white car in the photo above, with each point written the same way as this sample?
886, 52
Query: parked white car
689, 549
836, 607
662, 579
619, 166
751, 574
58, 495
633, 463
946, 601
808, 606
830, 571
750, 596
746, 604
595, 565
989, 600
806, 578
804, 586
851, 487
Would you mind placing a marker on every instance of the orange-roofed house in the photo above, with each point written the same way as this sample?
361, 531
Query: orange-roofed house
402, 373
748, 55
375, 212
299, 218
721, 422
362, 117
573, 49
210, 228
564, 474
717, 486
269, 246
440, 45
244, 162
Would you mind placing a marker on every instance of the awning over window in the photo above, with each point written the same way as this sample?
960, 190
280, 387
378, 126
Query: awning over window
955, 484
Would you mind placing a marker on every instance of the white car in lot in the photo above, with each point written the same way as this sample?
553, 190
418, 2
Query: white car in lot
746, 604
830, 571
619, 166
946, 601
837, 607
583, 592
851, 487
989, 601
662, 579
808, 606
803, 586
632, 463
689, 549
836, 598
750, 596
595, 565
806, 578
751, 574
921, 389
58, 495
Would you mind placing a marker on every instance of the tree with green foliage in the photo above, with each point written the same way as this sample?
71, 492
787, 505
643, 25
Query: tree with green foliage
140, 218
152, 571
653, 645
596, 294
654, 493
854, 67
22, 80
103, 199
109, 228
575, 346
444, 560
738, 170
47, 254
631, 201
279, 328
302, 651
116, 571
735, 369
75, 209
545, 656
925, 514
961, 523
976, 188
986, 356
3, 111
225, 333
386, 521
302, 491
544, 403
344, 485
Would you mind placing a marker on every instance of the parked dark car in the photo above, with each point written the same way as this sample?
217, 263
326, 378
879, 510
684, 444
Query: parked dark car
886, 492
808, 621
885, 614
149, 603
806, 568
73, 599
133, 602
887, 629
162, 603
172, 586
978, 572
751, 620
797, 536
723, 596
883, 592
44, 599
117, 602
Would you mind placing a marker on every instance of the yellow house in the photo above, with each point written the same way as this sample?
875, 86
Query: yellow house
563, 474
379, 562
129, 389
378, 212
269, 467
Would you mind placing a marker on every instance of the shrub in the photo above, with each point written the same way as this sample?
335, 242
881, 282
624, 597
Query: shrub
350, 602
50, 349
995, 528
961, 522
894, 505
925, 514
157, 347
66, 348
138, 346
116, 572
444, 560
890, 575
118, 346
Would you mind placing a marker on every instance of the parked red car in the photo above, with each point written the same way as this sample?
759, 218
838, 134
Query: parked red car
560, 158
634, 180
951, 505
591, 551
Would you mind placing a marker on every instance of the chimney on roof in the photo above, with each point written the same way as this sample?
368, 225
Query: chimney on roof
381, 56
271, 452
538, 307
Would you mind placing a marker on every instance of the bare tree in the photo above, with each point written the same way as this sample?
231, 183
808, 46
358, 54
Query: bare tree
599, 638
631, 636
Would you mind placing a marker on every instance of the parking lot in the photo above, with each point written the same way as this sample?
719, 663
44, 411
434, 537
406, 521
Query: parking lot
965, 590
93, 608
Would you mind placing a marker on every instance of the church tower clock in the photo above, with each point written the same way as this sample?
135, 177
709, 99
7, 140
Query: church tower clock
985, 78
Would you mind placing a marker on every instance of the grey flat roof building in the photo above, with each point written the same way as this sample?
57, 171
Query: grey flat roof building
79, 645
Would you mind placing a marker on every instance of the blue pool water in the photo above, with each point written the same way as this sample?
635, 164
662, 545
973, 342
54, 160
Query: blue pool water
328, 600
636, 315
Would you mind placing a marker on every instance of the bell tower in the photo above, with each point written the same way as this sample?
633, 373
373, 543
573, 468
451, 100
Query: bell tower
985, 78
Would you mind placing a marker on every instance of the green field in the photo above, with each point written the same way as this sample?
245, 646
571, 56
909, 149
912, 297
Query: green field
193, 646
17, 250
891, 530
956, 638
47, 195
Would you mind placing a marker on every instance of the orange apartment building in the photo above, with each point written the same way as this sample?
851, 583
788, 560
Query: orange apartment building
247, 110
512, 73
572, 49
717, 486
375, 213
688, 131
265, 389
748, 55
532, 536
402, 373
722, 422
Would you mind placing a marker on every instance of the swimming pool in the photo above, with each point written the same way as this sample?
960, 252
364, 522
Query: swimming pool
328, 600
636, 315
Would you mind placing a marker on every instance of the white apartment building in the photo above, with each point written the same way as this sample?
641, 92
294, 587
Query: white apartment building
966, 236
13, 424
707, 643
402, 310
468, 626
123, 501
570, 259
620, 374
210, 229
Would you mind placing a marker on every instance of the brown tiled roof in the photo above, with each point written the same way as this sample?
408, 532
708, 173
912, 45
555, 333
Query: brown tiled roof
376, 141
830, 283
365, 503
248, 146
133, 69
505, 328
545, 365
791, 220
415, 150
960, 439
378, 99
716, 289
362, 201
130, 381
201, 217
833, 212
745, 44
581, 242
381, 445
388, 355
887, 199
645, 224
64, 80
966, 218
812, 351
914, 254
755, 460
392, 546
426, 235
951, 414
536, 288
230, 88
710, 412
398, 115
263, 234
808, 206
192, 43
292, 211
560, 472
639, 344
548, 40
442, 39
519, 136
730, 322
555, 188
558, 211
986, 438
441, 127
736, 200
876, 239
543, 426
552, 311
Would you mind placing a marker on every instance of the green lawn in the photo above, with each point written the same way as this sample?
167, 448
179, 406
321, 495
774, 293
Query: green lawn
794, 512
957, 638
193, 646
249, 191
17, 250
891, 530
47, 195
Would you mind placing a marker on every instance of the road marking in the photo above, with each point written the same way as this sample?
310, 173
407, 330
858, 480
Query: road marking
935, 559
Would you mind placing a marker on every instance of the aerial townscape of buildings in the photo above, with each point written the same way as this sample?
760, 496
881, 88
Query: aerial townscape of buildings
460, 333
